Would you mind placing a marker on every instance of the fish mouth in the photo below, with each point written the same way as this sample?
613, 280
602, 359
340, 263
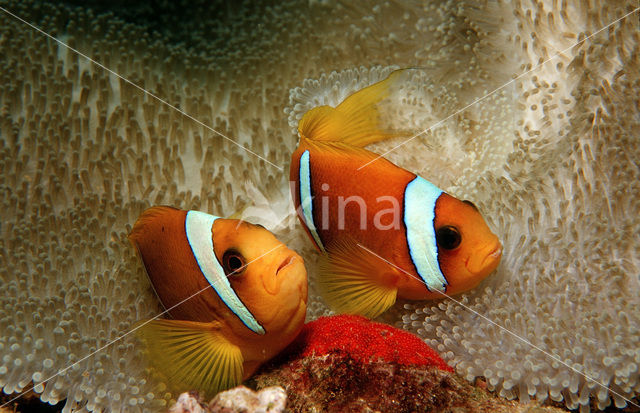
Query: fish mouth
285, 263
497, 251
493, 256
482, 265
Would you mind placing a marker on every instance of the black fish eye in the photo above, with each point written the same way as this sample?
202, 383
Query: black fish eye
471, 204
233, 262
448, 237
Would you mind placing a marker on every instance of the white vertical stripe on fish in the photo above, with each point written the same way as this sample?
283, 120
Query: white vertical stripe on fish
198, 226
420, 198
306, 199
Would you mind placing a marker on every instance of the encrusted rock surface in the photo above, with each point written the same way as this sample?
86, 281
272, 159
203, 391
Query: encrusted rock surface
348, 363
188, 403
242, 399
336, 382
239, 399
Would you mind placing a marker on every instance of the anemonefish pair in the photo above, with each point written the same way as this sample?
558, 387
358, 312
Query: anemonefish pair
386, 232
236, 294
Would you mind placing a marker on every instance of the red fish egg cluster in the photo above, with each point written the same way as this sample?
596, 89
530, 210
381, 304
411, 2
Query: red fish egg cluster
365, 341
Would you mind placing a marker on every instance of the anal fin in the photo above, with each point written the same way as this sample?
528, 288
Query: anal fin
355, 281
192, 355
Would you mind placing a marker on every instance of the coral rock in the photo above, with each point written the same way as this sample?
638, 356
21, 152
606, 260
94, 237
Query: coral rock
243, 400
187, 403
237, 400
347, 363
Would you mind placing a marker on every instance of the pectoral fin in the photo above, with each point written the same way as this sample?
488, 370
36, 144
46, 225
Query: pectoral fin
355, 281
192, 355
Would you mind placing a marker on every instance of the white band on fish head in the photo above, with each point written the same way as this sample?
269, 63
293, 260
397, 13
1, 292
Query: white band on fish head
420, 198
306, 198
198, 226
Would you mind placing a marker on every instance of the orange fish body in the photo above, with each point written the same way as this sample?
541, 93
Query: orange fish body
237, 295
386, 232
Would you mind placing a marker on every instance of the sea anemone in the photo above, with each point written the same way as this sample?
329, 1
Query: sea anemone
550, 159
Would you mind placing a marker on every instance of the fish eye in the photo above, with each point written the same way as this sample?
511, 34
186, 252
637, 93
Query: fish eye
233, 262
470, 204
448, 237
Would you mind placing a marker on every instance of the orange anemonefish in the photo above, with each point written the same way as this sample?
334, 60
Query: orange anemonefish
363, 210
238, 296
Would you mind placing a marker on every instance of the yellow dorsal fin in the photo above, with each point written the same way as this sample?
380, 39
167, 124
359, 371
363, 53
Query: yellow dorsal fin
192, 355
355, 281
355, 121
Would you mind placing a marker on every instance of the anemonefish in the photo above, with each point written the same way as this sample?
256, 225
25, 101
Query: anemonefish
236, 294
385, 231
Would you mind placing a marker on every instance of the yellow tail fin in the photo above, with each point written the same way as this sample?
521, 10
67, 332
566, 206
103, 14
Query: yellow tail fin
192, 355
354, 281
356, 121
